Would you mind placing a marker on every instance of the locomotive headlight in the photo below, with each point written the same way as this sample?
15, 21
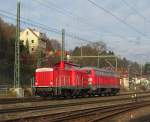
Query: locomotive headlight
51, 83
36, 83
90, 81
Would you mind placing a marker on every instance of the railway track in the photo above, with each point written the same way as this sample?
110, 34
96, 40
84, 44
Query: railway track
111, 112
99, 113
88, 115
19, 100
37, 99
29, 108
68, 103
77, 108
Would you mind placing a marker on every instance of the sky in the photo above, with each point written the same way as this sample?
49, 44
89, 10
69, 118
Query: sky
122, 24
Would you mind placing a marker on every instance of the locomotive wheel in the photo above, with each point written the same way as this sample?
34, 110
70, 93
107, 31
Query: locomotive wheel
65, 94
44, 96
100, 94
103, 94
83, 95
89, 94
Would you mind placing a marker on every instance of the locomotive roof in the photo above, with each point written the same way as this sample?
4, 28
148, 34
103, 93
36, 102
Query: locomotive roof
44, 69
98, 69
106, 71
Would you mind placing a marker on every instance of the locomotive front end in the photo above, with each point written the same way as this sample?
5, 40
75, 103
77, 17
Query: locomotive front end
44, 81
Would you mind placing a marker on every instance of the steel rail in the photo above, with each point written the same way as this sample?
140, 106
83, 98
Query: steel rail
73, 103
37, 99
116, 111
21, 109
107, 111
104, 112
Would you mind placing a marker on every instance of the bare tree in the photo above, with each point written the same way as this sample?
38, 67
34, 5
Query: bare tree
100, 46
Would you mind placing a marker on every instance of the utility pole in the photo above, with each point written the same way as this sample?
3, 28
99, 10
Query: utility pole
17, 50
17, 87
81, 50
141, 72
58, 89
98, 60
63, 45
116, 64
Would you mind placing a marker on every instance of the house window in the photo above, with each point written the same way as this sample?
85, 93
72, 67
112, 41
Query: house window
22, 41
32, 41
27, 33
32, 49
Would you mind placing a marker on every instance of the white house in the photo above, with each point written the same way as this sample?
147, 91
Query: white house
124, 82
35, 39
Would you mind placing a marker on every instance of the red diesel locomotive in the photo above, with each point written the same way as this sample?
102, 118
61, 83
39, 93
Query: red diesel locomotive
69, 80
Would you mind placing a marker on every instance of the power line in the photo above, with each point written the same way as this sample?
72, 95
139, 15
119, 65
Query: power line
135, 10
28, 21
44, 27
66, 13
117, 18
50, 5
55, 7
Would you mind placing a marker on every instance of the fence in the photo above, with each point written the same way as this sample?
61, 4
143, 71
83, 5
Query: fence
4, 90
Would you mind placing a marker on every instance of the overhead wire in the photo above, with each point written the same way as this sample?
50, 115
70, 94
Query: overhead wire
61, 11
71, 35
135, 10
65, 12
117, 18
42, 26
49, 5
80, 19
58, 31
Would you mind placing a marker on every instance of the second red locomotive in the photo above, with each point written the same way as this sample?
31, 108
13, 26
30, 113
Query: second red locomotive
69, 80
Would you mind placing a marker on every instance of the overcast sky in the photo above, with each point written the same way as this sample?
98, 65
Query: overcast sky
129, 38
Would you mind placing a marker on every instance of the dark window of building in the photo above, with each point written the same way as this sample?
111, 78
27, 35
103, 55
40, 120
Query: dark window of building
32, 49
27, 32
32, 41
22, 41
